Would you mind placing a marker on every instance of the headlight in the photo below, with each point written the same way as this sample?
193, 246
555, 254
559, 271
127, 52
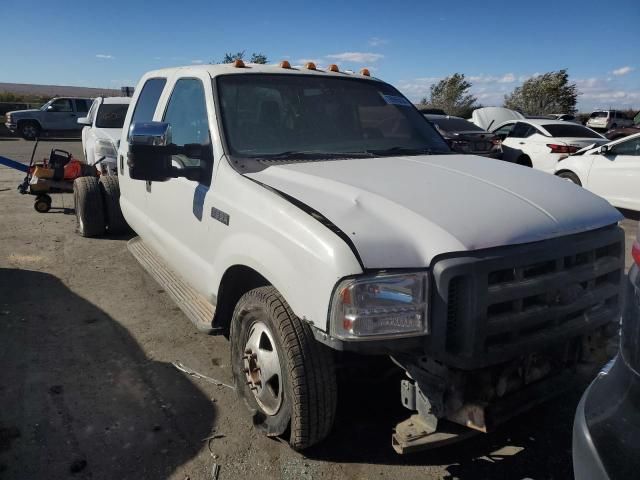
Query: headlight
385, 305
104, 148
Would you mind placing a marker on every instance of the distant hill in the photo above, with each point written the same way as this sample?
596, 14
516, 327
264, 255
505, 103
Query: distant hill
57, 90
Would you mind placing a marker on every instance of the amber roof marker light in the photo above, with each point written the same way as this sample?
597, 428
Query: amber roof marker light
238, 63
310, 66
333, 68
365, 72
285, 64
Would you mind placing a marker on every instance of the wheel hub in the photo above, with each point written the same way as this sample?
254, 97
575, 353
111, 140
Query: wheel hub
262, 368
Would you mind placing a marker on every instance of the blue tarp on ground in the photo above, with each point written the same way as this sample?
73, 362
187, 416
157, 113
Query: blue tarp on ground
13, 164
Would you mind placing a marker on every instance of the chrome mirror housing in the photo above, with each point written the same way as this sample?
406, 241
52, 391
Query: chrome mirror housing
157, 134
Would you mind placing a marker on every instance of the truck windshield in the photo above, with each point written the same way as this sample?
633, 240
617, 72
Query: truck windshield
111, 115
280, 115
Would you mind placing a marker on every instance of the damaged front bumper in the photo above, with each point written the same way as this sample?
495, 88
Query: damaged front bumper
450, 405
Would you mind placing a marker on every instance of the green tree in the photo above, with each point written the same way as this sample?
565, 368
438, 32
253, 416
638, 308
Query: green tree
550, 92
255, 57
232, 57
451, 94
260, 58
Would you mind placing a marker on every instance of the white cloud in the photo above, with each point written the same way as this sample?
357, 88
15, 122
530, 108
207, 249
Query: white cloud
618, 72
506, 78
357, 57
197, 62
377, 41
102, 55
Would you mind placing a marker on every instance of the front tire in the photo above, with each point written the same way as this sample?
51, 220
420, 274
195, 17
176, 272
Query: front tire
29, 130
110, 189
89, 206
285, 376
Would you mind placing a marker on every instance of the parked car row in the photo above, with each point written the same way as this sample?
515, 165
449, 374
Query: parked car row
611, 170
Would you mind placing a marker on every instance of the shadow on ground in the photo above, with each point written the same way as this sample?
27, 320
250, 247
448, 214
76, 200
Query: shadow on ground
79, 397
534, 445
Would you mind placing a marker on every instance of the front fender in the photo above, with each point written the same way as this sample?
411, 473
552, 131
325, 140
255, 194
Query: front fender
298, 255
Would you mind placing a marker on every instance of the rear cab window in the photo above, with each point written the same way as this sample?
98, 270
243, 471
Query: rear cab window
145, 106
148, 100
599, 115
523, 130
454, 124
570, 131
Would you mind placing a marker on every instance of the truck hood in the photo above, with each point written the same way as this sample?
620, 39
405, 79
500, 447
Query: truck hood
401, 212
24, 113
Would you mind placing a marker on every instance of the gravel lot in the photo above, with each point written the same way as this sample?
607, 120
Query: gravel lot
87, 388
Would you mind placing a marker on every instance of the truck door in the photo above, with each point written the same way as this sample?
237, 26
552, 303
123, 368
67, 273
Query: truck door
133, 193
178, 217
616, 175
60, 115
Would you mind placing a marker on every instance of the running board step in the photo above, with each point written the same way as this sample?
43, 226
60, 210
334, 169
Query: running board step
192, 304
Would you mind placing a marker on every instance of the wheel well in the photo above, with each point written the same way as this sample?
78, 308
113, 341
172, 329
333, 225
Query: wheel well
571, 172
236, 281
525, 161
29, 120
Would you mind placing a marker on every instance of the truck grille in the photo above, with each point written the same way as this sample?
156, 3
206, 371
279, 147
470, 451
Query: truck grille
506, 301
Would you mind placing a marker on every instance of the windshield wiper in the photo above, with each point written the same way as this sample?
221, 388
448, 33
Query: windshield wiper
403, 150
312, 154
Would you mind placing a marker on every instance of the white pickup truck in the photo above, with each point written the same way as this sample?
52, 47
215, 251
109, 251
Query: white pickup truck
308, 214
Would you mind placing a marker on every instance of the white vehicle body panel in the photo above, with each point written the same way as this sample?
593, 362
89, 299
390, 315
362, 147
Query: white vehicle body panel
488, 118
614, 177
91, 134
535, 146
399, 212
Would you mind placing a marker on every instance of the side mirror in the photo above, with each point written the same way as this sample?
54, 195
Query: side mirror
84, 121
150, 151
51, 108
502, 136
604, 149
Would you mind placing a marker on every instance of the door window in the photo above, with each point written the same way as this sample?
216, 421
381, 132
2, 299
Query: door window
522, 130
62, 105
631, 147
186, 112
504, 130
81, 106
148, 100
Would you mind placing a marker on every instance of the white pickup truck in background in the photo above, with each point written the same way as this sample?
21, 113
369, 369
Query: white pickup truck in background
308, 214
101, 132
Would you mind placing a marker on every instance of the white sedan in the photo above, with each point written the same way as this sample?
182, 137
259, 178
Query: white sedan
611, 171
103, 126
541, 143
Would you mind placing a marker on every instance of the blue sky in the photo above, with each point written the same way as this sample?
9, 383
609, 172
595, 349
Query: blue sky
410, 44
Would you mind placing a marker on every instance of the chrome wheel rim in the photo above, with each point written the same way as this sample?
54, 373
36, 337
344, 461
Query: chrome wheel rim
262, 368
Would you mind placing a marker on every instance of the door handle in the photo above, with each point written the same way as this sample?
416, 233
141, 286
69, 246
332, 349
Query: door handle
521, 143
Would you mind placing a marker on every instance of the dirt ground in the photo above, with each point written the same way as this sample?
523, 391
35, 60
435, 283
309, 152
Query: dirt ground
88, 389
